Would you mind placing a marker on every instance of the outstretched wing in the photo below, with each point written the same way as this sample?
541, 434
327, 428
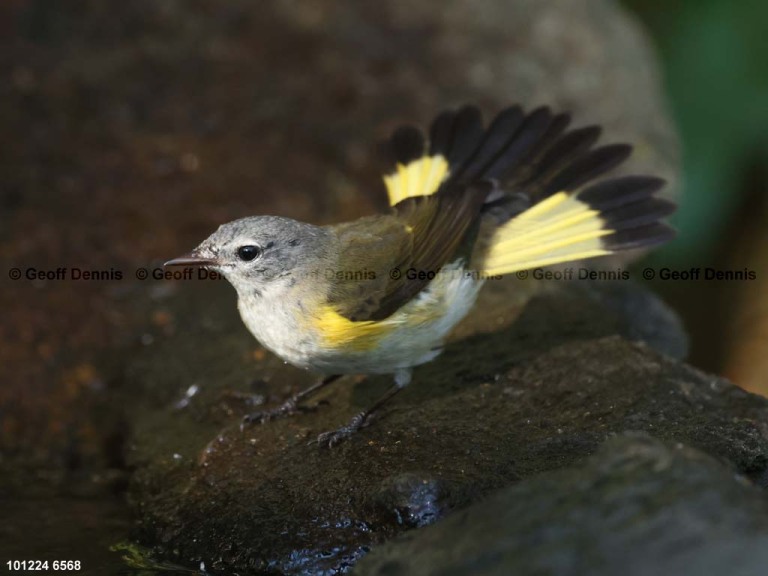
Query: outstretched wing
546, 204
525, 166
387, 260
437, 194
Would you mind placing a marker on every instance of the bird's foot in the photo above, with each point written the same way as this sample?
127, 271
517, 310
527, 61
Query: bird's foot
287, 408
334, 437
290, 406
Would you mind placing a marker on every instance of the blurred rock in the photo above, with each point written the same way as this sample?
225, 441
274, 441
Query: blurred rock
643, 316
637, 507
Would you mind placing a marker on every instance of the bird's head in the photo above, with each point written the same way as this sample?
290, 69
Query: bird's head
261, 253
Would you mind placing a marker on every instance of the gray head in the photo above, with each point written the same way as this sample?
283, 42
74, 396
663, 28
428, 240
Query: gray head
261, 254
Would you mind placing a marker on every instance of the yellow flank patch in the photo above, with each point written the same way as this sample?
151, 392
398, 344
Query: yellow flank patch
421, 177
336, 331
558, 229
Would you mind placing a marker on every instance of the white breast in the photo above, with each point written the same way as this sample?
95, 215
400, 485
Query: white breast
418, 329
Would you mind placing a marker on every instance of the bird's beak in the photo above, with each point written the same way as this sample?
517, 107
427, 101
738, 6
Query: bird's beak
192, 259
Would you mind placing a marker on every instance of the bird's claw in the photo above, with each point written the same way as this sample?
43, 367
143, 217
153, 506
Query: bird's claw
334, 437
288, 408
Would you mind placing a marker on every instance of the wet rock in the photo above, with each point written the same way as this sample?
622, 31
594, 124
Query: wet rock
414, 499
637, 507
494, 410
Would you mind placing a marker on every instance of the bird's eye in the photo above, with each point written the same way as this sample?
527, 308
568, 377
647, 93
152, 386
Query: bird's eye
248, 253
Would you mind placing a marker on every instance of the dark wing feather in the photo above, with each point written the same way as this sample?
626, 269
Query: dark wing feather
424, 234
521, 159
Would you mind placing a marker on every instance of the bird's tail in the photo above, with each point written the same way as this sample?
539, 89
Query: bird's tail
546, 204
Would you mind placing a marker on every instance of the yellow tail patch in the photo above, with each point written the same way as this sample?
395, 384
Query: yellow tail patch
558, 229
421, 177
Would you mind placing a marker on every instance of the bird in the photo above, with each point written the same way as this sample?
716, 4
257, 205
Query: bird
467, 202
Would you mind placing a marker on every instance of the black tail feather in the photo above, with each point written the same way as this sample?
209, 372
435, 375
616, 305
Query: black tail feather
555, 158
467, 135
639, 237
407, 144
611, 193
497, 136
588, 167
531, 156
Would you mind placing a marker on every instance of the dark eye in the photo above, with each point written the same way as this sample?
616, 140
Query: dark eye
248, 253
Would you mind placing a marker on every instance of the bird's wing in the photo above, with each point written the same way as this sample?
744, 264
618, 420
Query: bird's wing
548, 205
387, 260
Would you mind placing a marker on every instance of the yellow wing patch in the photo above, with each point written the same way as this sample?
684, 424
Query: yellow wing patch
558, 229
336, 331
421, 177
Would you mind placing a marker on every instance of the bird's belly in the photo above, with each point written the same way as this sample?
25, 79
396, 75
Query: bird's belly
402, 348
411, 336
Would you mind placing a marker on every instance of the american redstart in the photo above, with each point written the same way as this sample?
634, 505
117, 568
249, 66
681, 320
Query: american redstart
380, 294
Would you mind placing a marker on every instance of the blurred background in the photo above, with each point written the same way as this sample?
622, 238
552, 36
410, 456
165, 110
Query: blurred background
129, 131
713, 55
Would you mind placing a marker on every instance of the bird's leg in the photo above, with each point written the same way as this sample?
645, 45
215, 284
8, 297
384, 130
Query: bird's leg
290, 406
330, 439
